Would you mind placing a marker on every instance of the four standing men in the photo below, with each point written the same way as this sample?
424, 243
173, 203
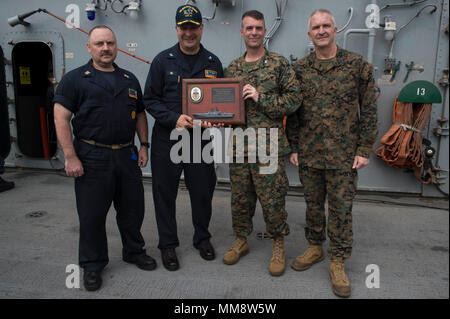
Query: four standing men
333, 132
330, 137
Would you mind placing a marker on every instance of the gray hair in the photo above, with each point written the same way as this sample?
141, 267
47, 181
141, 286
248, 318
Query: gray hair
321, 11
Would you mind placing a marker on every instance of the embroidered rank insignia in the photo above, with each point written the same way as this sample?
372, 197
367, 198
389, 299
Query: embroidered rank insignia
132, 93
133, 115
210, 74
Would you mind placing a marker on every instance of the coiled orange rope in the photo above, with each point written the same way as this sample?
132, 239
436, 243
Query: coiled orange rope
402, 144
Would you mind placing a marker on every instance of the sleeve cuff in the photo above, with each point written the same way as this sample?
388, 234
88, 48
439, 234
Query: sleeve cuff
363, 151
67, 103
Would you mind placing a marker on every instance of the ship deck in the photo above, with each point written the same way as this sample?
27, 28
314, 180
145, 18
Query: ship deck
405, 236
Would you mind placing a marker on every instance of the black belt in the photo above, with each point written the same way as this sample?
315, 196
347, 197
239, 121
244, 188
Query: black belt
112, 146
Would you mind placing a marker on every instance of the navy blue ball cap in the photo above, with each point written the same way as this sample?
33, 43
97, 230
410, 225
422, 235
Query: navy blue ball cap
188, 14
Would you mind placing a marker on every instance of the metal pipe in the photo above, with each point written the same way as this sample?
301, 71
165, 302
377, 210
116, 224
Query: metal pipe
349, 31
371, 43
281, 7
405, 4
348, 22
216, 4
405, 25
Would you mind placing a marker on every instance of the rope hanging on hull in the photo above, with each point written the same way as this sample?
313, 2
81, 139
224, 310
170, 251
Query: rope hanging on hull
402, 144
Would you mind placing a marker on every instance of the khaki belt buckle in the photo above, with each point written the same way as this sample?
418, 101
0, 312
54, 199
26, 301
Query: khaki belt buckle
116, 147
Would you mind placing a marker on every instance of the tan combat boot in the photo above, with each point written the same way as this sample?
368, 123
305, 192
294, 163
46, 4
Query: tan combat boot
278, 260
312, 255
237, 250
341, 284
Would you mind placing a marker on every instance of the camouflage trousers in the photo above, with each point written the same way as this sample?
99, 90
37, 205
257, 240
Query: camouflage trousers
248, 185
340, 186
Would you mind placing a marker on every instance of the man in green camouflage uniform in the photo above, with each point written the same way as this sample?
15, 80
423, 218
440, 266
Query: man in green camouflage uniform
330, 142
270, 93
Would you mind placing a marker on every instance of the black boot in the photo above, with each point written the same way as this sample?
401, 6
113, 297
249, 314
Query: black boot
92, 280
4, 185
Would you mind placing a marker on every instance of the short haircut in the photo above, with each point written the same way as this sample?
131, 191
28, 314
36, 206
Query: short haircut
321, 11
255, 14
100, 27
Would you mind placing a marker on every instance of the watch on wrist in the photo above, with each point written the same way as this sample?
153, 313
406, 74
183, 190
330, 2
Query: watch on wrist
146, 144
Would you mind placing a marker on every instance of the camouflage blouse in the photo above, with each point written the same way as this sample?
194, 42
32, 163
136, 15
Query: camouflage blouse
275, 81
338, 117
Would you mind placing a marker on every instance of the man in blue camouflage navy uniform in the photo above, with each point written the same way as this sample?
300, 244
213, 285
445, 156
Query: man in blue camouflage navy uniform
270, 92
331, 141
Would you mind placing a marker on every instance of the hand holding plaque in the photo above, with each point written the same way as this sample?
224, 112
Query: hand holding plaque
214, 100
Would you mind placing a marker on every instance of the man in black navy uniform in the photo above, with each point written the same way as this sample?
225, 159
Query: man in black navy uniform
162, 98
106, 102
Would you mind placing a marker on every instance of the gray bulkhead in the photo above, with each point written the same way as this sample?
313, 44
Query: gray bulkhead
423, 41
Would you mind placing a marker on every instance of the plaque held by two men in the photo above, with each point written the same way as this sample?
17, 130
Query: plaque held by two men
214, 100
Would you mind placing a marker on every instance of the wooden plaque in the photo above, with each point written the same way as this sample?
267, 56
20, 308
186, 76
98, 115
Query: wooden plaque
214, 100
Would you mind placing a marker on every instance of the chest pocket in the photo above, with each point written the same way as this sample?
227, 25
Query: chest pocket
249, 78
171, 83
92, 114
308, 89
345, 85
344, 94
268, 82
